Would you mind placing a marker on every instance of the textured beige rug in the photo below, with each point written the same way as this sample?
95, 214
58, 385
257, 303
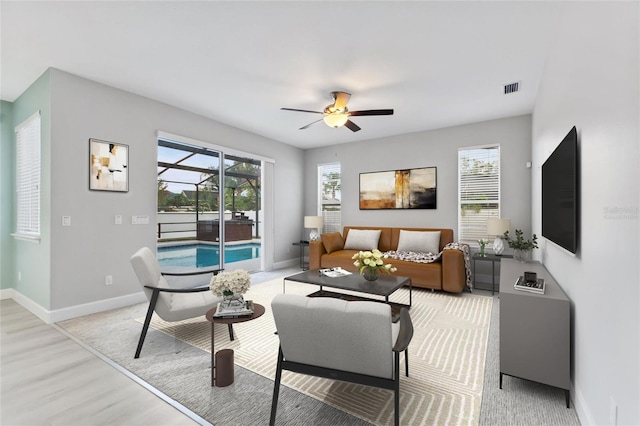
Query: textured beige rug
446, 357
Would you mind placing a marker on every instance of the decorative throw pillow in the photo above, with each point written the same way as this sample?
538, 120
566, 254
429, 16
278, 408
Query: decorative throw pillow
421, 241
362, 239
332, 241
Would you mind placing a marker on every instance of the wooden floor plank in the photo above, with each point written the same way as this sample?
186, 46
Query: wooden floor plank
47, 378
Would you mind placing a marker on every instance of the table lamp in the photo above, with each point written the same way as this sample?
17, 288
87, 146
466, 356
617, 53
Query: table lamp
497, 227
315, 223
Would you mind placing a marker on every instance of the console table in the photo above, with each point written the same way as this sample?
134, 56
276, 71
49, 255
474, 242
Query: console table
535, 329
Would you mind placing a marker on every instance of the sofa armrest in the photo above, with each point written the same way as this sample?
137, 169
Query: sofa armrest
454, 275
316, 250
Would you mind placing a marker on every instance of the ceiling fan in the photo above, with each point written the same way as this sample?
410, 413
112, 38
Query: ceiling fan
337, 114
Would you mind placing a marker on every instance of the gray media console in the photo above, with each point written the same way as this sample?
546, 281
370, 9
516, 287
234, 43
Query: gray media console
534, 329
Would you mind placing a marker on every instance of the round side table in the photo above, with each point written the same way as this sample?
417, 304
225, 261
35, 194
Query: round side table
258, 311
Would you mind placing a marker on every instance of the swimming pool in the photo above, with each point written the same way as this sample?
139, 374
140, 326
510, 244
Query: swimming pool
205, 255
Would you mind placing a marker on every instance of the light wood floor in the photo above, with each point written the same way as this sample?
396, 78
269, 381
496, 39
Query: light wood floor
47, 378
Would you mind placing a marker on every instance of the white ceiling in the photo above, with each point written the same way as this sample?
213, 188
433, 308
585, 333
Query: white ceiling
437, 64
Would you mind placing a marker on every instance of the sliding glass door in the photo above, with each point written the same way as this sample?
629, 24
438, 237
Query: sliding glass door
209, 208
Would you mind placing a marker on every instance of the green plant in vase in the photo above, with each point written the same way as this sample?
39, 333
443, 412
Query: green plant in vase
482, 243
522, 247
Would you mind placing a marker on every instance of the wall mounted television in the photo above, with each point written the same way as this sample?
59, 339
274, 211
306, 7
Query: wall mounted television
560, 186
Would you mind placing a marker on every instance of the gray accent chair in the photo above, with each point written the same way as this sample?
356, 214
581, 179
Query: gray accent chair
186, 295
354, 342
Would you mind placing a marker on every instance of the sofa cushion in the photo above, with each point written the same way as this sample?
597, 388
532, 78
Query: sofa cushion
332, 241
362, 239
421, 241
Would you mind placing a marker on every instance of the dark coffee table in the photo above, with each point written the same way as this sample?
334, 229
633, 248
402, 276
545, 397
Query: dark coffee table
384, 286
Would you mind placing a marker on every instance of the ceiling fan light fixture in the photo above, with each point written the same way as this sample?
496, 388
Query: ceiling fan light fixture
336, 120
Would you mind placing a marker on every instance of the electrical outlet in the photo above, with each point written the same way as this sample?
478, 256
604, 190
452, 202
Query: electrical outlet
19, 276
108, 280
118, 219
613, 411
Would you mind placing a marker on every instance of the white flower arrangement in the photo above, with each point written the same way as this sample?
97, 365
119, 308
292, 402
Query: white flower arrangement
228, 283
372, 260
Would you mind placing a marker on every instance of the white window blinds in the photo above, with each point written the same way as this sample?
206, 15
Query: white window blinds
28, 176
478, 191
329, 181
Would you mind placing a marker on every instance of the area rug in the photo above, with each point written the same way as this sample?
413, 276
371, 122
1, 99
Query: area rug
446, 357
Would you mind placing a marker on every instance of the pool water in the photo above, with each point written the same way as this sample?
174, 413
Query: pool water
205, 255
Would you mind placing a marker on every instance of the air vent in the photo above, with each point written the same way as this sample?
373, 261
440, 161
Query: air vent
511, 87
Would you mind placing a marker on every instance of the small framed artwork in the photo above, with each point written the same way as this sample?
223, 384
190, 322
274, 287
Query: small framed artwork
399, 189
108, 166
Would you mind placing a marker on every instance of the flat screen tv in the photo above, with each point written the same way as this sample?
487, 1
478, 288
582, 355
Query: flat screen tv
560, 204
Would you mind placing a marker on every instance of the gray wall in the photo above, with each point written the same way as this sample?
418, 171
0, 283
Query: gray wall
437, 148
93, 246
591, 81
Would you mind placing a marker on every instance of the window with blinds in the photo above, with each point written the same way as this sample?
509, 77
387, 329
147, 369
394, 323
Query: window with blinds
478, 191
329, 182
28, 177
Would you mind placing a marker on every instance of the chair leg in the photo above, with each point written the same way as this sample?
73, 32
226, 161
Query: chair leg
276, 389
406, 361
396, 391
147, 321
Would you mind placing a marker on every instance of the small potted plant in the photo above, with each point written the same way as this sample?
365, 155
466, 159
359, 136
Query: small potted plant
522, 247
482, 243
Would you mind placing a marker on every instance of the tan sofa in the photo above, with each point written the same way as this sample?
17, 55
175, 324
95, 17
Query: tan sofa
446, 274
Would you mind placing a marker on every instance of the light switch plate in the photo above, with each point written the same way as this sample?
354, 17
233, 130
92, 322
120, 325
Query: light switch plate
118, 219
66, 220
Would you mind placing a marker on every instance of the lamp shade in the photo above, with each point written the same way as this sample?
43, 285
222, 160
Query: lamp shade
313, 222
497, 227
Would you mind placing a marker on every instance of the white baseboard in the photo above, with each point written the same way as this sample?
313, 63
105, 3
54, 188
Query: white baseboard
6, 293
291, 263
63, 314
582, 409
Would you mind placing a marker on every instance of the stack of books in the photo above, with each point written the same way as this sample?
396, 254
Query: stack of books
234, 310
536, 286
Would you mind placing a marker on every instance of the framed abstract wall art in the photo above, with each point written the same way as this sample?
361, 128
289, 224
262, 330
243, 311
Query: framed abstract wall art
399, 189
108, 166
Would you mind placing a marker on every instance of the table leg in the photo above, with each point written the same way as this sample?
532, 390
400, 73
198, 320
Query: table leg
474, 272
493, 276
301, 257
213, 357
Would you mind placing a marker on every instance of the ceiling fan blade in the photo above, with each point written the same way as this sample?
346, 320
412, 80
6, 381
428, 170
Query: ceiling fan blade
351, 126
308, 125
372, 112
341, 99
302, 110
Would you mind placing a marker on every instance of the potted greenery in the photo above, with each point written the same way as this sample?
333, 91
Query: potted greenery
522, 247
